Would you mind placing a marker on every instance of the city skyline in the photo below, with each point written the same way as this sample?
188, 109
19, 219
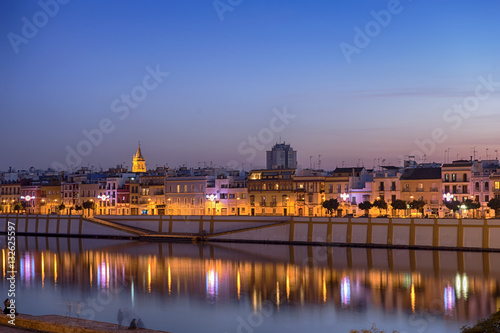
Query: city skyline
359, 82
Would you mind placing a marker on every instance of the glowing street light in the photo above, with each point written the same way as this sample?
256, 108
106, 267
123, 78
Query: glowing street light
448, 197
212, 197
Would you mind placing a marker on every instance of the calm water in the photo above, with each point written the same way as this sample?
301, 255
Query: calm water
254, 288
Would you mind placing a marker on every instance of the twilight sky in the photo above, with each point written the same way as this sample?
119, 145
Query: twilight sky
353, 81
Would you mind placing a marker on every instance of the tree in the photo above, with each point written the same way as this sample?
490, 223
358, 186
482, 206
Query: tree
380, 204
494, 203
78, 208
88, 205
398, 204
62, 206
19, 205
331, 206
454, 205
472, 205
418, 205
365, 205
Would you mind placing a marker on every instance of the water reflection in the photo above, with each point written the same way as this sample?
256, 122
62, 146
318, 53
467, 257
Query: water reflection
455, 286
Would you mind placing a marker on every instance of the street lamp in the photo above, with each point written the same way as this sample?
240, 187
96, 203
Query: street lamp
212, 197
345, 196
237, 211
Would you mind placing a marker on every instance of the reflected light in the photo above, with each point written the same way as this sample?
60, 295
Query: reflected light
238, 284
3, 263
345, 290
412, 296
169, 277
43, 271
212, 283
324, 290
462, 286
449, 299
149, 278
55, 271
278, 295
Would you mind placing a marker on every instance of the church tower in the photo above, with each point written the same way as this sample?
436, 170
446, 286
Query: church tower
139, 162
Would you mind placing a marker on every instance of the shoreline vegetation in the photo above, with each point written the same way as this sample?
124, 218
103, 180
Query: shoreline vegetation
486, 325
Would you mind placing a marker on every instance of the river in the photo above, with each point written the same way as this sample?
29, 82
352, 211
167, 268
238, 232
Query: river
227, 287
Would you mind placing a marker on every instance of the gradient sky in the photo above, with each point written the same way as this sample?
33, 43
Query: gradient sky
227, 76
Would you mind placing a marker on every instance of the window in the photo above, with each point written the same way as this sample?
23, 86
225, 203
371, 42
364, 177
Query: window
223, 195
185, 188
465, 189
330, 189
454, 177
339, 189
178, 189
393, 186
393, 198
192, 188
353, 200
486, 198
447, 189
477, 198
497, 185
192, 201
232, 196
465, 177
477, 187
486, 187
346, 187
447, 177
243, 195
310, 198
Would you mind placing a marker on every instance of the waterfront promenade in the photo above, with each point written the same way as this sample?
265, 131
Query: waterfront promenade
412, 233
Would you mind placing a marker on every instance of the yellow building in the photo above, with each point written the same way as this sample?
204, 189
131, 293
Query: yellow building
138, 162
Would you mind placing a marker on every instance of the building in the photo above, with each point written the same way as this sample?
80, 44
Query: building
457, 180
386, 184
281, 156
309, 188
423, 184
350, 186
271, 192
138, 161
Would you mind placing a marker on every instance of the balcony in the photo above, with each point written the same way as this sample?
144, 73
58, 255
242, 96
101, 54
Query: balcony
406, 190
263, 204
272, 204
434, 189
420, 189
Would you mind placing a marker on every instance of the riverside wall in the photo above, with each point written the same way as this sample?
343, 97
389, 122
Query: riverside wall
479, 234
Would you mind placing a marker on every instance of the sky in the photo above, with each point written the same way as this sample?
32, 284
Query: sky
357, 82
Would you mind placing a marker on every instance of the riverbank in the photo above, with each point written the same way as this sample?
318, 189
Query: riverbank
61, 324
406, 233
